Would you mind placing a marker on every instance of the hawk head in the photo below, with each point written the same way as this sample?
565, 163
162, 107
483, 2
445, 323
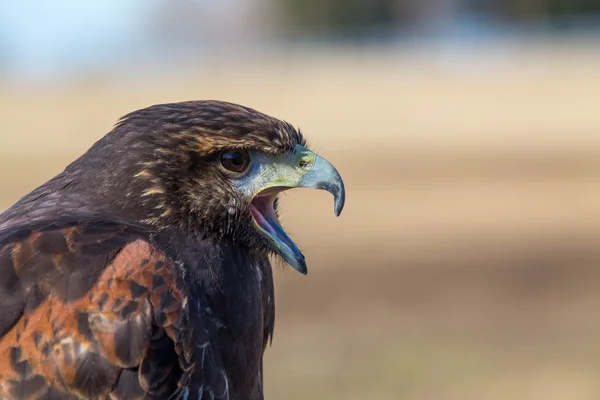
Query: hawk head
205, 168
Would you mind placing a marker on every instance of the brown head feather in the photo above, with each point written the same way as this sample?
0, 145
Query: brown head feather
208, 126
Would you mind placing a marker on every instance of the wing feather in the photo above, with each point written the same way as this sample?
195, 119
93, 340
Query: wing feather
90, 310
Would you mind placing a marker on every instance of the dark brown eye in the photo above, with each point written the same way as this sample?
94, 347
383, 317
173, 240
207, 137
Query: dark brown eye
235, 160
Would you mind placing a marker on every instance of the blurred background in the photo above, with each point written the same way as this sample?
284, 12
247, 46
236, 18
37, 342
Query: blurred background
466, 264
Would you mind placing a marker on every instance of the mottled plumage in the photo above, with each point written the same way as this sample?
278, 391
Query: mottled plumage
141, 272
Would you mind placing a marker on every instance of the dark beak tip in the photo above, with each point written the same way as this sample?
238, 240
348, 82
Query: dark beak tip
296, 261
338, 209
301, 267
339, 202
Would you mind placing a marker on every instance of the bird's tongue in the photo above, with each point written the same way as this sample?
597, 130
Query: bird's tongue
264, 215
262, 221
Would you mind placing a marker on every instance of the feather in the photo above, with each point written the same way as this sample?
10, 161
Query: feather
127, 275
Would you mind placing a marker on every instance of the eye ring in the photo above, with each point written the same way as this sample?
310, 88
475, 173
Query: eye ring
236, 161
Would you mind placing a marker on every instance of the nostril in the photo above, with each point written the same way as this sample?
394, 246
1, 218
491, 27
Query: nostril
305, 162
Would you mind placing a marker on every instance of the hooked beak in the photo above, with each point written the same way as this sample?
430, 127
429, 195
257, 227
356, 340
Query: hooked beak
302, 168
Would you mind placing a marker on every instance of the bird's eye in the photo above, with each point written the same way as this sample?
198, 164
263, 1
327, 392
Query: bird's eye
235, 160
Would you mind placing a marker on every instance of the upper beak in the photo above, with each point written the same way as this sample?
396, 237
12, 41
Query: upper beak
324, 176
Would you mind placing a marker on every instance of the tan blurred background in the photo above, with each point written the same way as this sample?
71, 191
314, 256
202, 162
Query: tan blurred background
466, 264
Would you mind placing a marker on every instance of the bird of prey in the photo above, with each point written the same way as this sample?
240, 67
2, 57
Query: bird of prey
142, 271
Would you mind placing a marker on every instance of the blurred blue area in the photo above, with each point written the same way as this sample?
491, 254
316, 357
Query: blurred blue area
42, 41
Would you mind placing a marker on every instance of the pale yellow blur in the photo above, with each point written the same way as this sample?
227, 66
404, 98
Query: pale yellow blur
466, 263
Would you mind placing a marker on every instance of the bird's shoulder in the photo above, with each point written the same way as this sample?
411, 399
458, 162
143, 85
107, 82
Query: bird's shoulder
90, 306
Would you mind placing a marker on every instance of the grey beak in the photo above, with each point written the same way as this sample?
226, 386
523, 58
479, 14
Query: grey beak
324, 176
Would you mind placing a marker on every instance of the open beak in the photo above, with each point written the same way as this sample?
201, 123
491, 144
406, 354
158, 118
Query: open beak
302, 168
